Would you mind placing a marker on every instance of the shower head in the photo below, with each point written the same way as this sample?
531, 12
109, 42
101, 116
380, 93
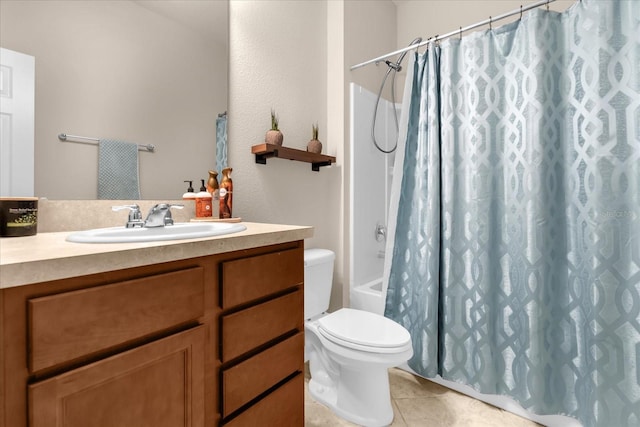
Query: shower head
396, 65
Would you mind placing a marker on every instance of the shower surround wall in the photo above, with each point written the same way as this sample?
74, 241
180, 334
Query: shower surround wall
371, 173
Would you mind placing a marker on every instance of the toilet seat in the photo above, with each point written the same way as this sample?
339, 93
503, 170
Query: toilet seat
364, 331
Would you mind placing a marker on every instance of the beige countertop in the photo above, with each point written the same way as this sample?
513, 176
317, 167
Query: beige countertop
48, 256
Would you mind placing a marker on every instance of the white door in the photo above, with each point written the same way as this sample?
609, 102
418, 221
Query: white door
17, 105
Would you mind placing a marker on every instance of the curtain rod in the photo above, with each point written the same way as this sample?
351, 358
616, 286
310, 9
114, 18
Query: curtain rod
458, 31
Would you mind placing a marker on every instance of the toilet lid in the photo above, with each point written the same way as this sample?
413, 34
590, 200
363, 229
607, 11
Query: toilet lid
363, 328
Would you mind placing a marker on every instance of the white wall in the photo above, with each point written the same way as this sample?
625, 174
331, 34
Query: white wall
336, 107
295, 56
278, 59
370, 178
369, 31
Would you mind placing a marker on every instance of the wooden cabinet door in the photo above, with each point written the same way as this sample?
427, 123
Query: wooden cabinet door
156, 385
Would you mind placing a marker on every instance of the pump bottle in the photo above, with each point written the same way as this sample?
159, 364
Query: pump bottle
203, 202
189, 195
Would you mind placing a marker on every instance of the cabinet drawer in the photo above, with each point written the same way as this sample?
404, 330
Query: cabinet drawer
254, 376
257, 325
283, 407
247, 279
71, 325
160, 384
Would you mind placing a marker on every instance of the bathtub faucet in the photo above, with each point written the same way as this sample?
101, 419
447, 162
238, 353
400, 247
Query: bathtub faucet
381, 232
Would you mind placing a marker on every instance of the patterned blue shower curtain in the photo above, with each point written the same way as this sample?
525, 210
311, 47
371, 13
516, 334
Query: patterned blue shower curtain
516, 241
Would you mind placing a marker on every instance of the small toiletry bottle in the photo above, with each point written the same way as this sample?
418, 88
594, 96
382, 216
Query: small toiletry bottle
226, 194
212, 185
189, 195
203, 202
214, 188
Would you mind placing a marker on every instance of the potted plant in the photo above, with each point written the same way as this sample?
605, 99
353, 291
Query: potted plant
274, 136
314, 146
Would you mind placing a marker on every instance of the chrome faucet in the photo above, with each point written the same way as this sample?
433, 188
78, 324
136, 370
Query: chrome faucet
135, 216
160, 215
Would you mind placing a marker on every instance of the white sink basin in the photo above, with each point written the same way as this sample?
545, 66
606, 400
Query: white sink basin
178, 231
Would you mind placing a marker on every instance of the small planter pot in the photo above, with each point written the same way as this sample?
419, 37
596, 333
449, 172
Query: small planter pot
274, 137
314, 146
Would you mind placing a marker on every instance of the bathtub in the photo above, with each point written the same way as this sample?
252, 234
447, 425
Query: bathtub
369, 297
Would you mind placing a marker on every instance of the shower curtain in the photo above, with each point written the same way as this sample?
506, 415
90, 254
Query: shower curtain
515, 227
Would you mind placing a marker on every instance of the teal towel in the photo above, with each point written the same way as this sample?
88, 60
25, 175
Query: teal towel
118, 170
221, 142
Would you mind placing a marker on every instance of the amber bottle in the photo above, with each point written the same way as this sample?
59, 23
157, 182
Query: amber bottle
226, 194
212, 184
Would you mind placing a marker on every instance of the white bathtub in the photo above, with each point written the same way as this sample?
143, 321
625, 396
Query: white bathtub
369, 297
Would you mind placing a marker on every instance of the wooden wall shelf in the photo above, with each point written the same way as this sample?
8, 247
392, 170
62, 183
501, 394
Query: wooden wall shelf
264, 151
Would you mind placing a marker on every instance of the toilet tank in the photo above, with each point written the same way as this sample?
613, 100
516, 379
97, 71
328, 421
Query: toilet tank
318, 278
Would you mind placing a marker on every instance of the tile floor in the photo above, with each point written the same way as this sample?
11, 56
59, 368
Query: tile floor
418, 402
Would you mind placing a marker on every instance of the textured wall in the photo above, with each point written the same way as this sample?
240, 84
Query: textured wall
278, 59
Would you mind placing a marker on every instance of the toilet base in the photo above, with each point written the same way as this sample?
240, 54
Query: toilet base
361, 396
350, 379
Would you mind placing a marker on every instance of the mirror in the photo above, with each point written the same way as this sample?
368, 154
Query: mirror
141, 71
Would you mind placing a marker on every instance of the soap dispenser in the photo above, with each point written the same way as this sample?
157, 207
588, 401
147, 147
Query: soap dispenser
203, 202
190, 194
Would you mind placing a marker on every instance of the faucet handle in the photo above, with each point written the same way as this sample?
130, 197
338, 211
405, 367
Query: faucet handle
135, 216
121, 207
168, 219
165, 206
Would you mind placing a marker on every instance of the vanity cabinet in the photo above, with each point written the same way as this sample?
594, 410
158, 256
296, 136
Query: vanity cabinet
207, 341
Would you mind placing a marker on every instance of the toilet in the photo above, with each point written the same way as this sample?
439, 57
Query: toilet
349, 351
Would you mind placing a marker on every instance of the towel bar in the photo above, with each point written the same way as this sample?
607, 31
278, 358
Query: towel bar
64, 136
